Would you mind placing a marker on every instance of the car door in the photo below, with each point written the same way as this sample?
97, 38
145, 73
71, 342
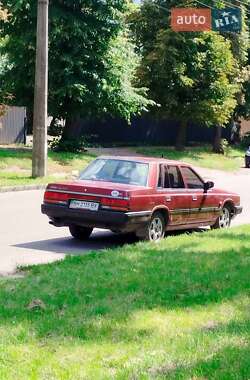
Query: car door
201, 205
171, 186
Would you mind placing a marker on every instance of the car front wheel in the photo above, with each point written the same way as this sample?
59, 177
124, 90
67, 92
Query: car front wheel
155, 230
224, 220
79, 232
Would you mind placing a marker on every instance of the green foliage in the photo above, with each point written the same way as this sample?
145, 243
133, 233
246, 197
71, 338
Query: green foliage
70, 145
55, 128
121, 65
189, 74
240, 49
83, 79
245, 141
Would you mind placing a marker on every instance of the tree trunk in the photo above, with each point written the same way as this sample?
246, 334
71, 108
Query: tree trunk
72, 129
181, 136
217, 144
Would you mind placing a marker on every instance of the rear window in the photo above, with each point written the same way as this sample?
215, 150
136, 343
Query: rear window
117, 171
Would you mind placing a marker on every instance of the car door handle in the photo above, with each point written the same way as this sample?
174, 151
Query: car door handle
195, 198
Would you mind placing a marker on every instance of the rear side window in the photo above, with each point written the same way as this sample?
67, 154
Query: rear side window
170, 177
175, 178
191, 178
163, 181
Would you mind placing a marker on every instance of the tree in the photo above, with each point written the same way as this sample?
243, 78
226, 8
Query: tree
241, 51
195, 74
239, 47
81, 71
189, 74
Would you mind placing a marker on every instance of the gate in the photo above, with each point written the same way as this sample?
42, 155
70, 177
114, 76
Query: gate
12, 126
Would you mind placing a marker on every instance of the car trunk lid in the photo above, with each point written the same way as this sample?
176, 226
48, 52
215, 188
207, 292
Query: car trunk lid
107, 195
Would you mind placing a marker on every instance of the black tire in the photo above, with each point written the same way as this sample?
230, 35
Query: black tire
79, 232
224, 220
155, 229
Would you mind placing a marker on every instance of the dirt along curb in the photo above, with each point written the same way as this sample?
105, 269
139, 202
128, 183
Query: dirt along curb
9, 189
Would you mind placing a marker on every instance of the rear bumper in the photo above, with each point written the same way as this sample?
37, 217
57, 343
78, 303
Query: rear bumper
237, 210
61, 215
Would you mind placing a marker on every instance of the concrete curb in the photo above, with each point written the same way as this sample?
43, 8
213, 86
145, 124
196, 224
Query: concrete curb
10, 189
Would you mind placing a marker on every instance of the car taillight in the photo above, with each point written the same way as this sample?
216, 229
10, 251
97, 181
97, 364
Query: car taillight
51, 197
115, 204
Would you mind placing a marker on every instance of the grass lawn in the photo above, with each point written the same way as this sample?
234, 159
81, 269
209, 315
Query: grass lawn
201, 156
176, 310
15, 166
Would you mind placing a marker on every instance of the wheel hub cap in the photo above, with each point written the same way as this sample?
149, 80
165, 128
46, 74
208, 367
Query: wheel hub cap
156, 229
224, 221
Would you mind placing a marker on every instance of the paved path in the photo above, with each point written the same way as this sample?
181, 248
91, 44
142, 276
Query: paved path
27, 238
238, 182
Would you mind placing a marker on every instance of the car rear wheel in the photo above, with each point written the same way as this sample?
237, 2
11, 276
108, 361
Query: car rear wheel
79, 232
224, 220
155, 230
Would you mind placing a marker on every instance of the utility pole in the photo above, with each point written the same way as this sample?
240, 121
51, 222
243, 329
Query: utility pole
40, 146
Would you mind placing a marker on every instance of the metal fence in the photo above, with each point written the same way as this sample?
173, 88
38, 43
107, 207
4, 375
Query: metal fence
12, 126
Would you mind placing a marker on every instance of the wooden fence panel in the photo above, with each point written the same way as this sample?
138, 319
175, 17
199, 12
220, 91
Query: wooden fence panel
12, 126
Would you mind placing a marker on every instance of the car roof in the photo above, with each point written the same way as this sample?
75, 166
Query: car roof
145, 159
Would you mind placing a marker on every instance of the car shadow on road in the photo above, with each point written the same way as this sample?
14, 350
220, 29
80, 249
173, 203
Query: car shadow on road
99, 240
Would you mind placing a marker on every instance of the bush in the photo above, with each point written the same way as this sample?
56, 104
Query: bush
78, 145
72, 145
225, 146
55, 128
245, 141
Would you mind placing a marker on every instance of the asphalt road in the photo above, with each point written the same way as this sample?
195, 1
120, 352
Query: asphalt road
27, 238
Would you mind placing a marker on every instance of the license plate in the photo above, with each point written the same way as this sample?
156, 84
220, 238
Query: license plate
83, 205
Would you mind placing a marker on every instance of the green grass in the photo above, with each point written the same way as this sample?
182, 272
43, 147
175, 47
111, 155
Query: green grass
15, 166
200, 156
175, 310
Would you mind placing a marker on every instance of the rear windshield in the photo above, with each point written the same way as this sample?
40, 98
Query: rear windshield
118, 171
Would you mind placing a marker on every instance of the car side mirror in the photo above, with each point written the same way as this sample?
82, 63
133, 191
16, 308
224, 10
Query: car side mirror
208, 185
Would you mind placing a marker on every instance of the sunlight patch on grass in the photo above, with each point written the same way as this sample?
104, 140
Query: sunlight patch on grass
200, 156
15, 166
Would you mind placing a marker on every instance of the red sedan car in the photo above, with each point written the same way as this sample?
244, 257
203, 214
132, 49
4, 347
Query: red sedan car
148, 196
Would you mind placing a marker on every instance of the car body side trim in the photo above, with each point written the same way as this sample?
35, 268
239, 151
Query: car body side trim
138, 213
202, 209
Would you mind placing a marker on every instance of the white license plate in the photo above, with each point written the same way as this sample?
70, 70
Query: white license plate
83, 205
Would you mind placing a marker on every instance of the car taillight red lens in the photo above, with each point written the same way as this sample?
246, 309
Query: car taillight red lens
55, 197
116, 204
